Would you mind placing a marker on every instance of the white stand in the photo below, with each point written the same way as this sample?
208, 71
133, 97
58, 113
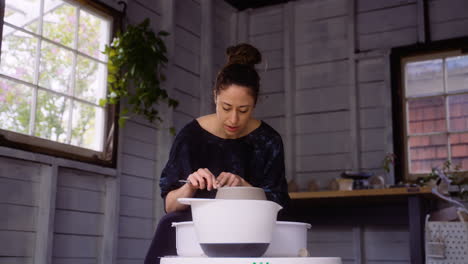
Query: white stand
261, 260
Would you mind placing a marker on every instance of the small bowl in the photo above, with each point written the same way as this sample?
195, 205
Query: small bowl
241, 193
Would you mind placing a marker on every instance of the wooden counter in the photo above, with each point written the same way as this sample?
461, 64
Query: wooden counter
391, 206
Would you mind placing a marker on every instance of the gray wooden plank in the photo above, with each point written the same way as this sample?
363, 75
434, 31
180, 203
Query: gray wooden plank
78, 223
270, 60
371, 94
133, 248
322, 122
336, 249
370, 70
372, 159
16, 260
373, 139
17, 243
131, 227
188, 104
18, 169
19, 218
321, 51
188, 15
266, 20
81, 200
57, 260
378, 251
140, 132
269, 105
322, 74
19, 192
330, 234
321, 30
271, 81
387, 19
449, 29
181, 120
73, 246
321, 100
136, 13
388, 39
187, 40
136, 186
368, 5
132, 206
137, 148
323, 143
445, 10
80, 179
268, 42
372, 118
186, 81
187, 60
323, 162
137, 166
320, 9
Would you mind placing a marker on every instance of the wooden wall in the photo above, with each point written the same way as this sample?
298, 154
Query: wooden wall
327, 91
325, 88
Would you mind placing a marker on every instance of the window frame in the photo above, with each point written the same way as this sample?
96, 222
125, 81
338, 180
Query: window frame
399, 55
108, 156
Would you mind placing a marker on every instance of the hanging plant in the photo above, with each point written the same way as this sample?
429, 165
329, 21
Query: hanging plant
136, 59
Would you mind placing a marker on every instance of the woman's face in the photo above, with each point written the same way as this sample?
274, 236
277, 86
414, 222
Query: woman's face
234, 107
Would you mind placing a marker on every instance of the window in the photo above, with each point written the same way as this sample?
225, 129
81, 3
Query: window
52, 75
433, 102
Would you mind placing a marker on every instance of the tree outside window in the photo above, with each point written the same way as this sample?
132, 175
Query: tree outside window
53, 72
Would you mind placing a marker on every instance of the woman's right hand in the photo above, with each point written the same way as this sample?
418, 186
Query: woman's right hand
202, 178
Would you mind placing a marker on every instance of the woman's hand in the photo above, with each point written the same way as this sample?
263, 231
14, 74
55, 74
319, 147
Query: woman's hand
203, 178
230, 179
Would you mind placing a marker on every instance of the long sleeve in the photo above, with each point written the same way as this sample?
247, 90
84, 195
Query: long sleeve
274, 184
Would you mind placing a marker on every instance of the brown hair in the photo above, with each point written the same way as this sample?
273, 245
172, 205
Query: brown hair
240, 69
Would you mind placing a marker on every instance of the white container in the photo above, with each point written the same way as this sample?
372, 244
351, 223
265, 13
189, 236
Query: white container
186, 240
233, 228
289, 238
233, 221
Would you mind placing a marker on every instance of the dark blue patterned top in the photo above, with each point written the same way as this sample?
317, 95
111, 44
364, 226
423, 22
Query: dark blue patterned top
257, 157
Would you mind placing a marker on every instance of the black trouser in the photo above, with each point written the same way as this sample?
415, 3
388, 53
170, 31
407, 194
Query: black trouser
164, 240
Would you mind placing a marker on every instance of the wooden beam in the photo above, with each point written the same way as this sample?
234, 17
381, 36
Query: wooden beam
289, 89
46, 215
243, 23
206, 57
164, 137
108, 253
355, 142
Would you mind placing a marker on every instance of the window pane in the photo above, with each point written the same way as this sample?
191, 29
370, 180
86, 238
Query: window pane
91, 79
56, 67
457, 73
52, 116
93, 35
60, 22
18, 54
459, 150
15, 106
427, 152
23, 13
458, 106
427, 115
424, 78
87, 126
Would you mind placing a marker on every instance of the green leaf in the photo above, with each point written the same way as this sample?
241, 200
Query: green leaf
172, 130
102, 102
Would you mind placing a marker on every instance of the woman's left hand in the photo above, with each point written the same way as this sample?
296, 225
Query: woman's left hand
230, 179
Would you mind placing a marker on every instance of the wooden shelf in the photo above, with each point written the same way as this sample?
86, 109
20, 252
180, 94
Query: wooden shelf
425, 191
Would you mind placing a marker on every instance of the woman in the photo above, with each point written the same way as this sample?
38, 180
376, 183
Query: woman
227, 148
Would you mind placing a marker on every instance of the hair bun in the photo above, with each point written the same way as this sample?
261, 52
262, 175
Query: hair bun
243, 54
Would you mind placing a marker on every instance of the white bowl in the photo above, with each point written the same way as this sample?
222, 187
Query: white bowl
233, 228
287, 240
